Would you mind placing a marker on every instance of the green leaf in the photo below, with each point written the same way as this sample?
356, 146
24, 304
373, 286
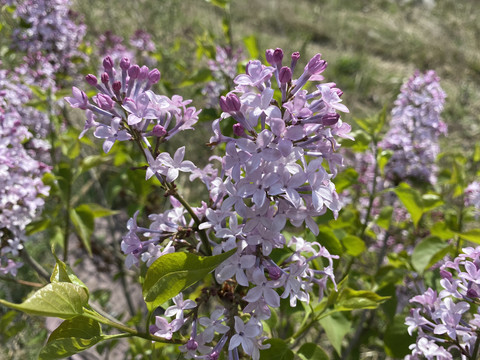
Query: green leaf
96, 210
431, 201
354, 245
336, 326
278, 351
83, 221
172, 273
220, 3
311, 351
383, 159
71, 337
201, 76
441, 230
350, 299
252, 46
91, 161
471, 235
396, 339
425, 251
412, 201
385, 217
345, 179
327, 238
62, 299
37, 226
63, 273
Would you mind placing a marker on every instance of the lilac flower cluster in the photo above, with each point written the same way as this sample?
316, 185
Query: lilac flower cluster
415, 128
224, 70
52, 34
272, 174
21, 187
448, 323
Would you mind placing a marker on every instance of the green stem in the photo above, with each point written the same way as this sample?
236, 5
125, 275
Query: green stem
66, 232
308, 325
35, 265
131, 332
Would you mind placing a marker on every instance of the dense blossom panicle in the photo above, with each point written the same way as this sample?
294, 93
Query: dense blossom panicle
415, 128
21, 190
447, 322
224, 70
53, 30
128, 90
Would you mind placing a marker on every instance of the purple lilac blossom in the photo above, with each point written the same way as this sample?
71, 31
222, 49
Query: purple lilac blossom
415, 128
272, 174
224, 70
472, 196
53, 30
447, 322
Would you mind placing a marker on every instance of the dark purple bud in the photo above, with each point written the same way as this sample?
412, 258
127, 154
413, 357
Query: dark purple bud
192, 345
108, 63
143, 75
278, 57
154, 76
134, 71
159, 130
104, 102
316, 65
91, 79
446, 274
330, 119
125, 63
117, 86
274, 272
285, 75
238, 130
214, 355
472, 294
295, 56
105, 78
269, 56
153, 329
230, 103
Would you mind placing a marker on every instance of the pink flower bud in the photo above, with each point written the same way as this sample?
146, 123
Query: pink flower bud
104, 101
295, 57
143, 75
230, 103
330, 119
316, 65
134, 71
108, 63
278, 57
238, 130
269, 56
91, 79
117, 86
125, 63
274, 272
446, 274
154, 76
192, 345
159, 131
105, 78
285, 75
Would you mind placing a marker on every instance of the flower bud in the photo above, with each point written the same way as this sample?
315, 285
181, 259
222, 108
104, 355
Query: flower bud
446, 274
134, 71
108, 63
278, 57
105, 78
143, 75
125, 63
274, 272
91, 79
159, 131
285, 75
154, 76
238, 130
104, 102
295, 57
316, 65
192, 345
330, 119
269, 56
117, 86
230, 103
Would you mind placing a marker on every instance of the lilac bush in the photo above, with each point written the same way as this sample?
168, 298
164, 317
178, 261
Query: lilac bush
448, 323
272, 176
